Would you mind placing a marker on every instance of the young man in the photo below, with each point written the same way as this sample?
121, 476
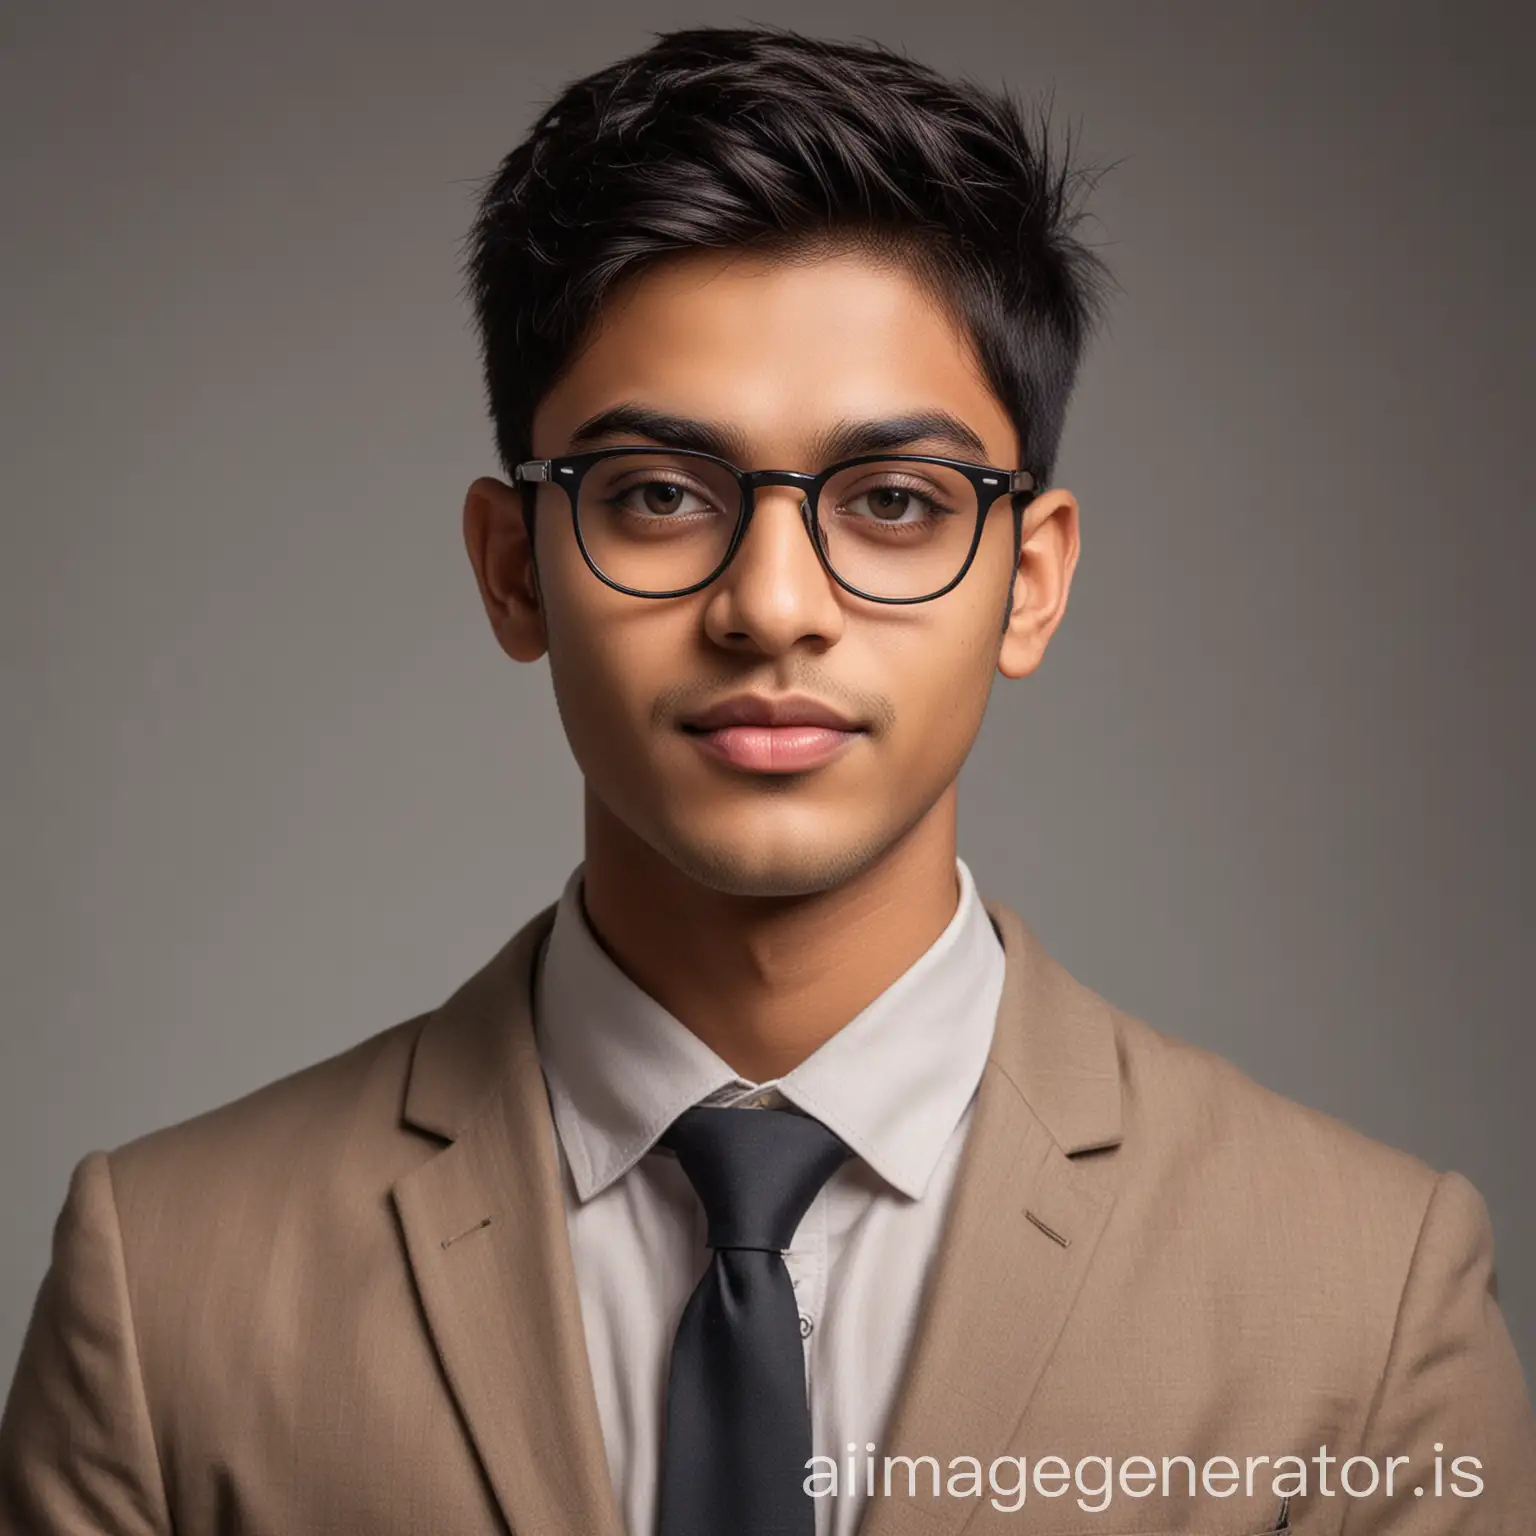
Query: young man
771, 1154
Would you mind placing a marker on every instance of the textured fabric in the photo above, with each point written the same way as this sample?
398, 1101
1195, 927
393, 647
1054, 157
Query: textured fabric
346, 1302
738, 1431
896, 1085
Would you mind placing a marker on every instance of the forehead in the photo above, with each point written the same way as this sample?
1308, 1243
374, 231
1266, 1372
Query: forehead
778, 349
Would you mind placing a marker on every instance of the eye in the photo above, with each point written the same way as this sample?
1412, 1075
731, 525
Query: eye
661, 499
894, 504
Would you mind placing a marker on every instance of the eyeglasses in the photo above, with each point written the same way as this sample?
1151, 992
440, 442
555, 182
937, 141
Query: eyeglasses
892, 528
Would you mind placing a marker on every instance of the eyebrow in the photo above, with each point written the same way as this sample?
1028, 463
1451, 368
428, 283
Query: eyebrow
937, 430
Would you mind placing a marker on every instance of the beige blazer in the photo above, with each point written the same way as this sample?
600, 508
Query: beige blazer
345, 1303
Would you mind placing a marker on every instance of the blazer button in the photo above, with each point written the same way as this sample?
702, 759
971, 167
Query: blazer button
805, 1326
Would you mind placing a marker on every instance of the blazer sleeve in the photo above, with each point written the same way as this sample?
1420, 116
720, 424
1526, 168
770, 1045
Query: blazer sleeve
77, 1454
1452, 1378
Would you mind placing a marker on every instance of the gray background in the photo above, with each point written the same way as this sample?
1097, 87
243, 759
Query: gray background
270, 786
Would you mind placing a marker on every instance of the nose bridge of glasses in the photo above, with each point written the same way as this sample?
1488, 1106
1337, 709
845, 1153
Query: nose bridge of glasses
754, 480
794, 486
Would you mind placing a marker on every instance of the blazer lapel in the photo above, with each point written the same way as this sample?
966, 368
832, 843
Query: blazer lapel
484, 1225
1019, 1236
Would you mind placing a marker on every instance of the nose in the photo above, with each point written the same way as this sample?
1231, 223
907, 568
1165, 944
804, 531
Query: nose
775, 594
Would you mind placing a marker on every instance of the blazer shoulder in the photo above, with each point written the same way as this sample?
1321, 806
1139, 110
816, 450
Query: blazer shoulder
348, 1099
1191, 1106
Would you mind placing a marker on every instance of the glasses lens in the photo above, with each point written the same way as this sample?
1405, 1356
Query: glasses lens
897, 529
657, 522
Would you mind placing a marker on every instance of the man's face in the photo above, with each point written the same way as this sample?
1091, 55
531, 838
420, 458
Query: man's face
777, 356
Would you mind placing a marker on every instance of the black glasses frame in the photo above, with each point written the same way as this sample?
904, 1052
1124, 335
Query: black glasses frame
570, 470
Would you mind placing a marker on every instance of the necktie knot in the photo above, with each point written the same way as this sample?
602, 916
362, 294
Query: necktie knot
755, 1171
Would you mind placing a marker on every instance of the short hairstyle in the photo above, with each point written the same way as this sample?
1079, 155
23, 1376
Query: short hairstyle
764, 139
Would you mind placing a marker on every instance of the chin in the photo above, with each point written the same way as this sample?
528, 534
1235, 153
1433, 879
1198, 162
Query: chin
802, 866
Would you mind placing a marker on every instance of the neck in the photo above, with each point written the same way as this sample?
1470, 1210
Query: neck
764, 981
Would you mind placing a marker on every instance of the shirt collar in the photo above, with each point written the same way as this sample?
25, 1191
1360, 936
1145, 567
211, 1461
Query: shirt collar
893, 1082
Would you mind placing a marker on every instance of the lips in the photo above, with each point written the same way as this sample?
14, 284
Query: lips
789, 734
760, 709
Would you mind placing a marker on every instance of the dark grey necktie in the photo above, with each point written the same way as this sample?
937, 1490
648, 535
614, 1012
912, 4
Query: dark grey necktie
738, 1431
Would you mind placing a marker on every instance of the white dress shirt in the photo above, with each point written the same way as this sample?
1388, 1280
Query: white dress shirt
896, 1083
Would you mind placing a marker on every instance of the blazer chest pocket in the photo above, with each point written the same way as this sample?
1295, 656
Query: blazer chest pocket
1208, 1530
1211, 1530
1281, 1525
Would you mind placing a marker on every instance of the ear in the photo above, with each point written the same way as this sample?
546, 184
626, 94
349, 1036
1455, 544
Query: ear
1048, 550
498, 546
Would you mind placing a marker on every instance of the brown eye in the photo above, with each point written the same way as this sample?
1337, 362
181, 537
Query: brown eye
661, 498
892, 504
888, 502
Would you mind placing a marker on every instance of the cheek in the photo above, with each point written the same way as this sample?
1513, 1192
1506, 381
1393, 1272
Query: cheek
938, 675
945, 665
580, 630
947, 704
609, 667
596, 688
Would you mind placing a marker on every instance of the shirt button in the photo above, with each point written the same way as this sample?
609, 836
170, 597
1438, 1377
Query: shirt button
805, 1326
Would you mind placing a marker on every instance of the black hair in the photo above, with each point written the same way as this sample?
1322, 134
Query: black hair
766, 139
